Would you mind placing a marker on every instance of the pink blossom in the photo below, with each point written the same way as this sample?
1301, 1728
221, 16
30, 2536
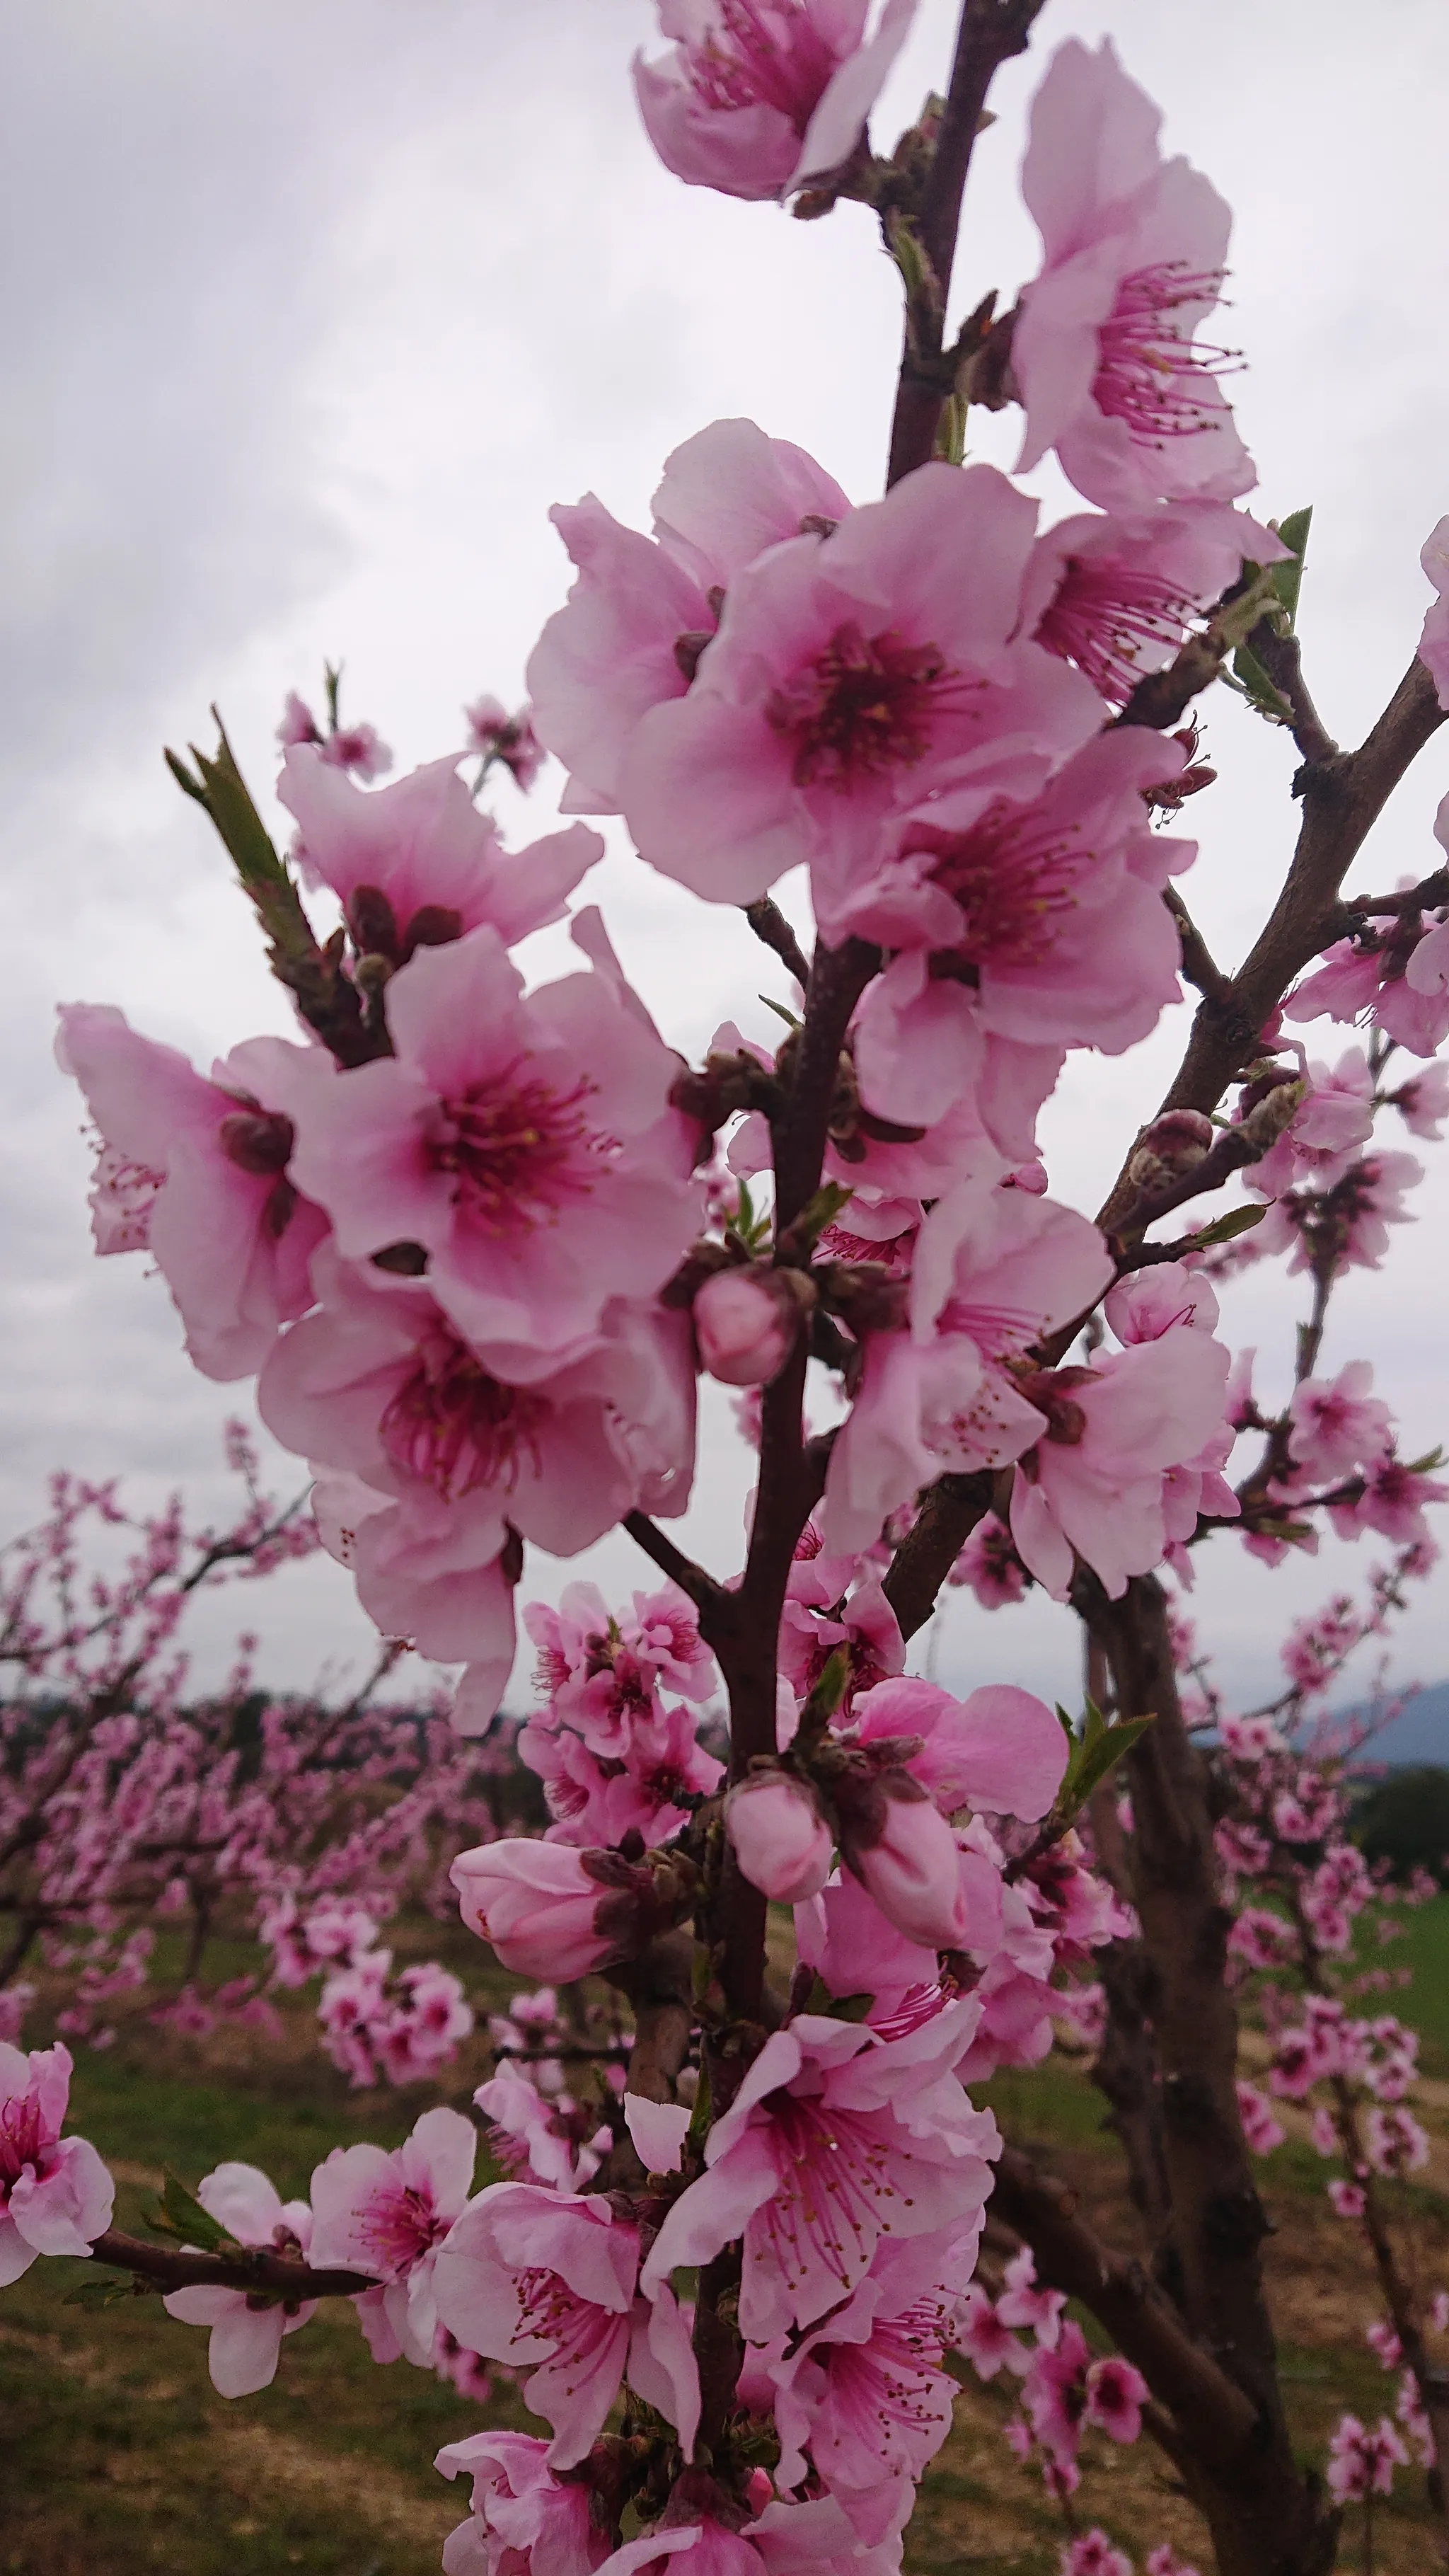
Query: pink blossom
593, 1801
1434, 641
1018, 908
979, 2333
548, 2286
1361, 2463
1096, 1482
1337, 1425
437, 1460
388, 2214
1396, 2142
527, 1145
643, 610
993, 1270
1053, 2395
1164, 2561
658, 2130
509, 740
848, 670
990, 1565
1262, 2132
1103, 348
843, 1936
1384, 2344
781, 1839
1116, 2395
537, 1903
1091, 2553
1392, 1502
198, 1173
746, 1324
900, 1847
818, 1618
1115, 595
416, 864
1029, 2309
525, 2521
759, 97
345, 747
56, 2196
246, 2340
1149, 1303
864, 2395
1333, 1119
530, 2133
1001, 1748
1423, 1101
835, 2139
1348, 2198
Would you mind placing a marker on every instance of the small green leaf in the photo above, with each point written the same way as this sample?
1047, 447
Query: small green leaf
804, 1231
179, 2213
1225, 1229
828, 1693
1102, 1756
105, 2290
790, 1018
1426, 1465
1288, 577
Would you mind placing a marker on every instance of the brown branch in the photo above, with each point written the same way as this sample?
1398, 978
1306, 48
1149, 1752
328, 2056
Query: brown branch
768, 923
1198, 963
714, 1604
949, 1513
988, 34
1162, 699
1342, 799
254, 2271
1281, 657
1118, 2293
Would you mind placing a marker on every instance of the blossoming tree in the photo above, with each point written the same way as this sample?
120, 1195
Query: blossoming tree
477, 1243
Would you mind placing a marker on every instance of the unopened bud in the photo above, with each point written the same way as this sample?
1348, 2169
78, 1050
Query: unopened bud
781, 1839
905, 1855
746, 1322
1170, 1148
1266, 1123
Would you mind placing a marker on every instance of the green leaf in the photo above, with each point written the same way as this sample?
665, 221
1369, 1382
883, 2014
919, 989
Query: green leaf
105, 2290
790, 1018
804, 1231
828, 1693
1273, 592
179, 2213
1101, 1757
1225, 1229
1288, 577
1426, 1465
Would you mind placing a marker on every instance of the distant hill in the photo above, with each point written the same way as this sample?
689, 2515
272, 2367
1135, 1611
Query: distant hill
1420, 1735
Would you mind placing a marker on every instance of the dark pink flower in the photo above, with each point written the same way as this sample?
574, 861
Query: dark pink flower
848, 671
527, 1145
759, 97
509, 740
199, 1174
1116, 2395
1104, 349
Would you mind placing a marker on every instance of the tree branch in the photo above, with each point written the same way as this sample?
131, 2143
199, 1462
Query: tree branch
252, 2271
989, 33
714, 1604
949, 1513
768, 923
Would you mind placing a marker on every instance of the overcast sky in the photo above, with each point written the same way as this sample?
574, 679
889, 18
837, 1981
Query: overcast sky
311, 308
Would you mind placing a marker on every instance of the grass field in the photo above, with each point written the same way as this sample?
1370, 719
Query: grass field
117, 2458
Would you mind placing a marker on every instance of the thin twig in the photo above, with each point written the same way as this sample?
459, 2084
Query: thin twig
768, 923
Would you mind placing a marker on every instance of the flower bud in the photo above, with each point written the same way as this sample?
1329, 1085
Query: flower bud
1170, 1148
538, 1904
782, 1841
745, 1323
905, 1855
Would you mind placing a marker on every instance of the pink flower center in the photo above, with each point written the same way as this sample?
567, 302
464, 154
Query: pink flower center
22, 2140
762, 53
1011, 874
1149, 372
454, 1427
1104, 614
397, 2228
520, 1152
865, 705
